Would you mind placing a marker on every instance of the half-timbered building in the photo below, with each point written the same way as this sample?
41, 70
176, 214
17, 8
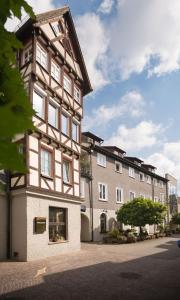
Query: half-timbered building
45, 202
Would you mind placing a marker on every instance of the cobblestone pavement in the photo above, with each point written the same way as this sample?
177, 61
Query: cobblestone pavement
148, 270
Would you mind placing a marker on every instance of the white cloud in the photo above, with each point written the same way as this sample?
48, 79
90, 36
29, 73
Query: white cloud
146, 35
167, 160
38, 6
106, 6
94, 43
132, 103
145, 135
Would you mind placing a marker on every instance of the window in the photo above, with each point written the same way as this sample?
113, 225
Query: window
141, 176
101, 160
41, 56
75, 132
53, 115
57, 224
82, 189
102, 191
148, 179
156, 199
119, 195
118, 167
77, 94
46, 163
155, 182
66, 171
55, 71
131, 195
131, 172
161, 183
103, 223
65, 124
38, 104
27, 55
56, 28
162, 198
67, 84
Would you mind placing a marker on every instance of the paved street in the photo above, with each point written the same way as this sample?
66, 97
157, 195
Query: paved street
144, 271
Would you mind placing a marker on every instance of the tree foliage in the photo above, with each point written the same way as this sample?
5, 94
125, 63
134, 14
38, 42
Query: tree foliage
15, 108
140, 212
176, 219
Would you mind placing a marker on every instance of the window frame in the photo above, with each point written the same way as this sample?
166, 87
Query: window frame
99, 160
65, 76
120, 165
37, 92
105, 199
121, 200
56, 113
56, 67
74, 123
105, 222
132, 192
42, 51
65, 160
141, 173
50, 152
76, 88
64, 114
58, 224
131, 174
147, 179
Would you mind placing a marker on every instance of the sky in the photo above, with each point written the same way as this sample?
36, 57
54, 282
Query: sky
132, 54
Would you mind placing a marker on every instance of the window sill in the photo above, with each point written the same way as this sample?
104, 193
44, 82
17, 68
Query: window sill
101, 165
118, 172
59, 242
44, 68
56, 80
103, 200
78, 102
67, 183
53, 127
132, 177
64, 134
119, 202
46, 176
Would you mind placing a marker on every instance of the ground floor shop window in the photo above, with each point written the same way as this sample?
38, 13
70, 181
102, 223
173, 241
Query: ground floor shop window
57, 224
103, 223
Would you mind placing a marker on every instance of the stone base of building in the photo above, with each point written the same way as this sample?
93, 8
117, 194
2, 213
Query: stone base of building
27, 243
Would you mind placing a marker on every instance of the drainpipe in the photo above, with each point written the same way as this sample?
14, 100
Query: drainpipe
167, 202
91, 198
9, 203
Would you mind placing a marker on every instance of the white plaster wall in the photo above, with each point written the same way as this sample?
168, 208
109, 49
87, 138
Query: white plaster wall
38, 244
19, 226
3, 224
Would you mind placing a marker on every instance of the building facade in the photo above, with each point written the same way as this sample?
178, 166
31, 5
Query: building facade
109, 178
43, 206
172, 196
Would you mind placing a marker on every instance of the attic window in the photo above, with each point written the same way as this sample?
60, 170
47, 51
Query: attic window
56, 28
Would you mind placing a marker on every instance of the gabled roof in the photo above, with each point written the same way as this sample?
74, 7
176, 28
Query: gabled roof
114, 148
92, 136
53, 14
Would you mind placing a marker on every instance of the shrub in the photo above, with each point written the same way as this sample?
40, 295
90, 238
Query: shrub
113, 233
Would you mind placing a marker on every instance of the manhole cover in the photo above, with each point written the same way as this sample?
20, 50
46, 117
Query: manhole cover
130, 275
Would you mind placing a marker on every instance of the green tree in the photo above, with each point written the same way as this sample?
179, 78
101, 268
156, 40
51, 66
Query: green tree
15, 108
176, 219
140, 212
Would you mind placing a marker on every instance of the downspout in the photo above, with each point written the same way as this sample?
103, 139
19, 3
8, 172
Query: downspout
9, 204
167, 202
91, 198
